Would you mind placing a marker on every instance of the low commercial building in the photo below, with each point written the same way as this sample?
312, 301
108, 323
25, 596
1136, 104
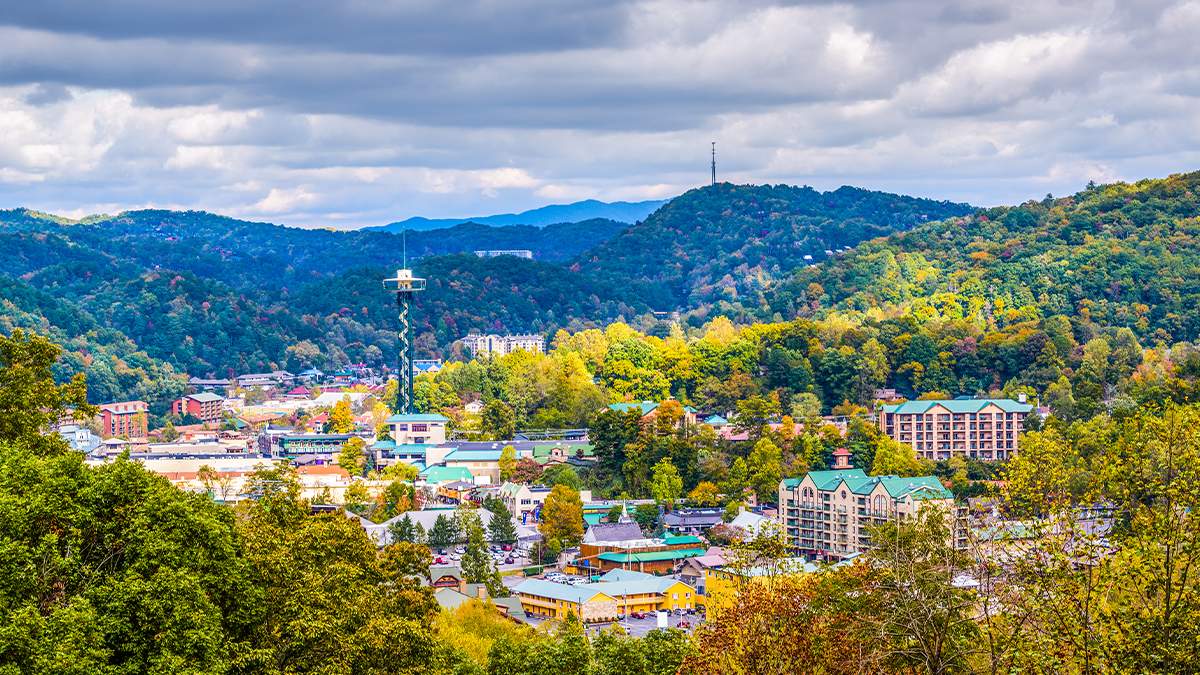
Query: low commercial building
418, 429
609, 546
692, 521
551, 600
826, 514
722, 582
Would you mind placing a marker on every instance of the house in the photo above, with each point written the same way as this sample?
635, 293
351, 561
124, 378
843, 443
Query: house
603, 533
213, 385
987, 429
716, 422
692, 521
648, 409
474, 407
126, 419
418, 429
692, 570
298, 393
523, 501
826, 514
204, 406
750, 522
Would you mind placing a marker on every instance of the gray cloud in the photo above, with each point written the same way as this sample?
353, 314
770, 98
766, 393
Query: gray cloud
349, 113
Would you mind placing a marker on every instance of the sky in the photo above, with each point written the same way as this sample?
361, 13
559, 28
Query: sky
343, 113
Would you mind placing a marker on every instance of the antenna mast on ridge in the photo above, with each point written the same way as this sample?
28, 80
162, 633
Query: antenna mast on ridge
714, 162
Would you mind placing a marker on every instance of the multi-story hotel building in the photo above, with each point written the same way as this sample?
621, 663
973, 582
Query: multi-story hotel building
986, 429
499, 345
825, 514
204, 406
126, 419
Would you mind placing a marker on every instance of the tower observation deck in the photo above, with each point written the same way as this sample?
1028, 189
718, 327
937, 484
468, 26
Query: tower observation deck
404, 285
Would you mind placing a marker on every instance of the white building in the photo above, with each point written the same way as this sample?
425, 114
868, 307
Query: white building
499, 345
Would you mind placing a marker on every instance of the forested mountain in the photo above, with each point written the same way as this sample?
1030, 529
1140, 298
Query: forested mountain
973, 299
588, 209
1113, 255
730, 242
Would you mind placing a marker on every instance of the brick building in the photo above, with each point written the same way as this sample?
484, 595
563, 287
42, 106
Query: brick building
204, 406
126, 419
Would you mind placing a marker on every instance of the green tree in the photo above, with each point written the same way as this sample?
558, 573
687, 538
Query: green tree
498, 420
443, 533
508, 463
895, 458
666, 486
501, 528
404, 530
351, 457
30, 400
765, 470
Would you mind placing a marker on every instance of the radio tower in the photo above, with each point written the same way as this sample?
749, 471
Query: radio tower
404, 284
714, 163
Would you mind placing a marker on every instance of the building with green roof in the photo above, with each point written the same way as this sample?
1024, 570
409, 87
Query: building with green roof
977, 428
827, 515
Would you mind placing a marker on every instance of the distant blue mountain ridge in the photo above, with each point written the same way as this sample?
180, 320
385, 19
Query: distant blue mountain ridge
624, 212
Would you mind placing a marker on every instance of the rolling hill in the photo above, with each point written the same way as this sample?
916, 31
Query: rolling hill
589, 209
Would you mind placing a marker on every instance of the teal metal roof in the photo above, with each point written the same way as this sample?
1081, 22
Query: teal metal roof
445, 474
644, 407
473, 456
682, 539
716, 421
549, 589
418, 418
652, 556
970, 405
827, 480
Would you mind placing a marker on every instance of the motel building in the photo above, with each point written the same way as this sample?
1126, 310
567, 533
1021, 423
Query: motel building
618, 592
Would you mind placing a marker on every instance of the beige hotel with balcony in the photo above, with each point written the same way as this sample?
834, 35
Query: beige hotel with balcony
986, 429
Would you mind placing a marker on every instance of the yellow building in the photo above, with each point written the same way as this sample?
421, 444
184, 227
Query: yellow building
619, 592
553, 600
721, 584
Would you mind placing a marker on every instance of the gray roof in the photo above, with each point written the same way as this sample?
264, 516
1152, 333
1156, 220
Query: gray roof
613, 532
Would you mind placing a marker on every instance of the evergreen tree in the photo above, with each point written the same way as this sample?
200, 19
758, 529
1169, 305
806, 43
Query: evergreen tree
501, 528
443, 533
404, 530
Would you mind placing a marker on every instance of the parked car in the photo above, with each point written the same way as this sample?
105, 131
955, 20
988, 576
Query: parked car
509, 560
507, 547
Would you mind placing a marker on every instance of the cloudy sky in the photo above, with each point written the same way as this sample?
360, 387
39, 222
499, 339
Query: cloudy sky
352, 112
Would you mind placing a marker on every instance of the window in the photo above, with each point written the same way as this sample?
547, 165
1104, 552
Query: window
420, 427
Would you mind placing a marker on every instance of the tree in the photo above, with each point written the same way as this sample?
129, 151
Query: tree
508, 463
646, 516
168, 432
765, 470
615, 513
357, 497
895, 458
562, 474
705, 494
351, 457
666, 486
443, 533
562, 516
527, 471
754, 413
498, 420
30, 401
476, 563
924, 620
341, 418
404, 530
501, 528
